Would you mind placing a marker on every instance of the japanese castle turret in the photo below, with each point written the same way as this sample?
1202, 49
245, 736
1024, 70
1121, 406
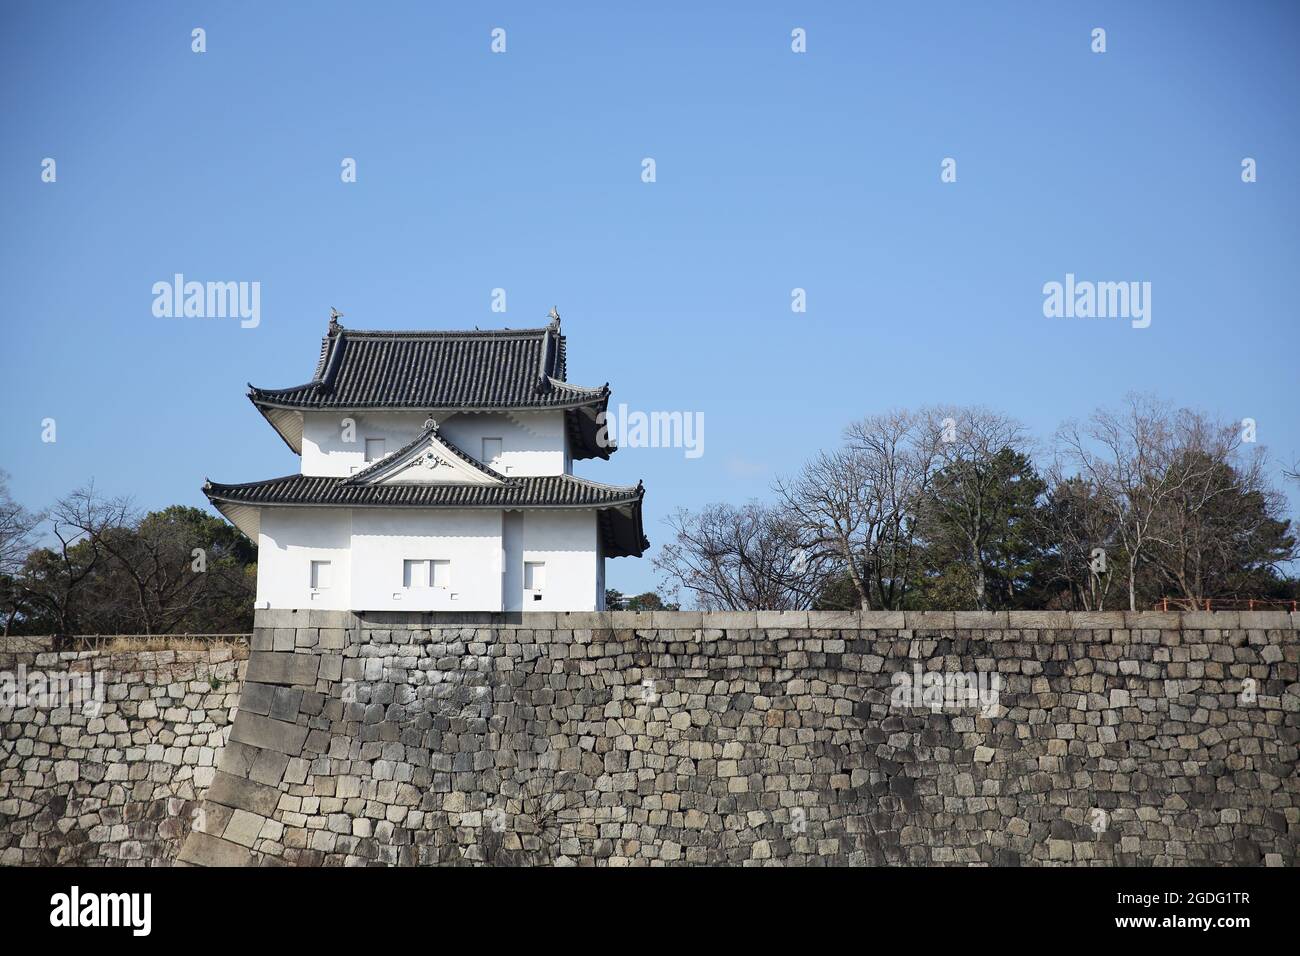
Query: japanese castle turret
436, 475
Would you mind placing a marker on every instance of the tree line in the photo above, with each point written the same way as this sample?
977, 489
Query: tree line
108, 568
949, 508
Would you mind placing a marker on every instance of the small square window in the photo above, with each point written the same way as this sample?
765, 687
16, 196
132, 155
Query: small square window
440, 573
321, 575
423, 573
415, 574
374, 449
534, 575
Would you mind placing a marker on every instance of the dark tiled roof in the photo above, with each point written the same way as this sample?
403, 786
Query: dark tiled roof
622, 526
562, 491
504, 368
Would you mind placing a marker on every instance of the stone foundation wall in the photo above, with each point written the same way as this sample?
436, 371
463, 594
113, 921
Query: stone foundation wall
112, 778
754, 738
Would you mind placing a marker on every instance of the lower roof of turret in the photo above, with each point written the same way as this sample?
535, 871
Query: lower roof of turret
620, 506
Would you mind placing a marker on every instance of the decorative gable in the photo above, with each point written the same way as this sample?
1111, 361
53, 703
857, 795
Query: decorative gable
428, 460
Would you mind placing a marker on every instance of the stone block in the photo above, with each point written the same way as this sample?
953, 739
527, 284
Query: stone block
256, 698
677, 620
1040, 620
331, 619
203, 849
538, 620
268, 667
930, 620
239, 793
573, 620
243, 828
883, 620
631, 620
783, 620
268, 733
1211, 620
730, 620
1264, 620
834, 620
268, 767
1153, 620
981, 620
285, 703
333, 638
1097, 620
278, 617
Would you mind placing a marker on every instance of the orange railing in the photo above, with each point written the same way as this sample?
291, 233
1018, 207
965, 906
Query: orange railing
1226, 604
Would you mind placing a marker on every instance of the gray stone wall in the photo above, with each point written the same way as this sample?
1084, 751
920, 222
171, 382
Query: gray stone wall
112, 778
628, 739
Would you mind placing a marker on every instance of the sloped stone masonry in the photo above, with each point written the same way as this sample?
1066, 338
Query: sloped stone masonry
632, 739
672, 738
116, 781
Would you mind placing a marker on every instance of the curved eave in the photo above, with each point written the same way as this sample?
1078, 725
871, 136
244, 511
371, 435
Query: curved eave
247, 518
622, 531
286, 421
584, 427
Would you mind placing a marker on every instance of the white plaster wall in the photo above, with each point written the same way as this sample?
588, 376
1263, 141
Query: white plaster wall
566, 541
487, 550
324, 452
383, 538
290, 539
533, 443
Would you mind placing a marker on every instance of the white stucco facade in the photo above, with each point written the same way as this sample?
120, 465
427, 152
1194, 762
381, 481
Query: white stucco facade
369, 548
531, 443
465, 506
484, 552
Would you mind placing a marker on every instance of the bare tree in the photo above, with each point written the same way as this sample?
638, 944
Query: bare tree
54, 577
899, 452
152, 553
857, 506
837, 517
1133, 458
744, 558
1221, 517
17, 525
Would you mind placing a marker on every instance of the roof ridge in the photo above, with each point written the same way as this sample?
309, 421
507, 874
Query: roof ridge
445, 333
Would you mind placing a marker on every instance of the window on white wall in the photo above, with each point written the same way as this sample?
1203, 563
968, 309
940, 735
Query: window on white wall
321, 575
415, 574
374, 449
440, 573
492, 452
534, 578
424, 573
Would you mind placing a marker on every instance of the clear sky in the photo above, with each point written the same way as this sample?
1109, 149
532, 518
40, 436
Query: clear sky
523, 171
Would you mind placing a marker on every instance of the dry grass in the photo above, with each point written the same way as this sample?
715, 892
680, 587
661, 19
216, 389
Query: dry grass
122, 644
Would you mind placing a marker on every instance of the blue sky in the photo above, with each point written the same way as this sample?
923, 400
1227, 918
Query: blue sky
522, 171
